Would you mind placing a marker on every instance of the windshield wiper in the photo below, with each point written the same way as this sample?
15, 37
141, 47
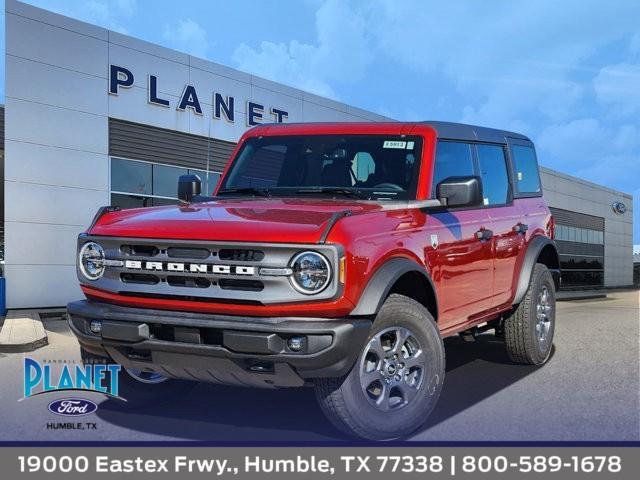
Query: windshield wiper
250, 190
334, 190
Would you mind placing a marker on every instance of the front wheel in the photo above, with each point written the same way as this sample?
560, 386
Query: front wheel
396, 382
528, 331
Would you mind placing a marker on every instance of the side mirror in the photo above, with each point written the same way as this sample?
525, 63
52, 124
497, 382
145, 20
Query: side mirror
188, 187
460, 192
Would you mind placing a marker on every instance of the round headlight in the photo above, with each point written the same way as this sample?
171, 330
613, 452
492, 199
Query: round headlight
311, 272
91, 260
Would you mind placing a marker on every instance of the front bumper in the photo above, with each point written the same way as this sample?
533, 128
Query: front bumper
249, 351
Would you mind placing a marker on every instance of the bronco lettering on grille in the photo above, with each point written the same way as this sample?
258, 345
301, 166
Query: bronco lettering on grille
205, 268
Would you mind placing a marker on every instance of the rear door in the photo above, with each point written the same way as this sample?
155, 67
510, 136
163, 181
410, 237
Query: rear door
505, 218
464, 266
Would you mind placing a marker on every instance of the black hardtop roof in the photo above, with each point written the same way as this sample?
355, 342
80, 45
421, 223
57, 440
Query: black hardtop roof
446, 130
462, 131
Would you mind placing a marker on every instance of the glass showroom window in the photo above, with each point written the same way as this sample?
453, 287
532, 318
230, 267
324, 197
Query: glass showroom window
581, 256
579, 235
135, 183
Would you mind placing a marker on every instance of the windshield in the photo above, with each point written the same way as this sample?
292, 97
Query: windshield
362, 166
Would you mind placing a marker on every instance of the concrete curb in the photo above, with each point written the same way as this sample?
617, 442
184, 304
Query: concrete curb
571, 296
22, 331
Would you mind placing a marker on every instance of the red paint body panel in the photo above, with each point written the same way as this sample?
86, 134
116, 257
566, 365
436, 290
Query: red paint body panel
473, 279
243, 220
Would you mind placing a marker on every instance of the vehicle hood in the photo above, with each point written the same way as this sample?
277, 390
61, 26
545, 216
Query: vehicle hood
242, 220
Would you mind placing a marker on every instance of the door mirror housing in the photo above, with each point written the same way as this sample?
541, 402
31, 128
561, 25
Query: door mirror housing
189, 186
460, 192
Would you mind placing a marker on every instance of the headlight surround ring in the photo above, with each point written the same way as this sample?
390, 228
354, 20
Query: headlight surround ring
310, 268
91, 261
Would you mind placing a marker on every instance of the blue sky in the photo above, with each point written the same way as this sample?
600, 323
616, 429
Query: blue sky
566, 73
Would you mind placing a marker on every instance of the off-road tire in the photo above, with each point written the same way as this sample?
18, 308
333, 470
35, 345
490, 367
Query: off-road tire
343, 399
137, 394
522, 342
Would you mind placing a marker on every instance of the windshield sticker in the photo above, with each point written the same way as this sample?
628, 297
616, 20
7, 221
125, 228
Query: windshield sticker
394, 144
410, 145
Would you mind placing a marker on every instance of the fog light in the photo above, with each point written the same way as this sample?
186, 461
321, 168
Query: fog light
295, 344
95, 326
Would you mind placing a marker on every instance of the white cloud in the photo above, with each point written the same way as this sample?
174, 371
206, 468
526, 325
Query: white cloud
292, 63
593, 150
507, 58
577, 142
619, 86
187, 36
341, 53
109, 14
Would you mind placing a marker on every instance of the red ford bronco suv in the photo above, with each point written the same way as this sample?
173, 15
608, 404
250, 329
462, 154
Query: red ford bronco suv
334, 255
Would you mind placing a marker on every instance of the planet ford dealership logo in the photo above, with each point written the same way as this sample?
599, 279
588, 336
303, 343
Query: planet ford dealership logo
619, 208
73, 407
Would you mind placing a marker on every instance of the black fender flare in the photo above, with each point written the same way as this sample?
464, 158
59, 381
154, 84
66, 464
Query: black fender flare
379, 286
536, 245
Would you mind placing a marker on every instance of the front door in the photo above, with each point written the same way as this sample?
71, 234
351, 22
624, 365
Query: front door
464, 266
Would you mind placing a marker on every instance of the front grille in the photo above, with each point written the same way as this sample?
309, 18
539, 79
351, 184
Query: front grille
191, 282
140, 278
139, 250
246, 285
197, 253
222, 272
241, 255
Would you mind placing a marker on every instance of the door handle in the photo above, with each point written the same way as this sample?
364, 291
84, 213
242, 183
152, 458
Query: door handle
521, 228
484, 234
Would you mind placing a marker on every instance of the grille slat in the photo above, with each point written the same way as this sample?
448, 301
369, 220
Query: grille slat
245, 285
141, 278
189, 253
241, 255
190, 282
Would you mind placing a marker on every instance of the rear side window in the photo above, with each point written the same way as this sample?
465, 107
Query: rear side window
453, 159
493, 172
526, 170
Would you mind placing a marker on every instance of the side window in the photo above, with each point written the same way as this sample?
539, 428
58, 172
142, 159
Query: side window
493, 172
453, 159
526, 170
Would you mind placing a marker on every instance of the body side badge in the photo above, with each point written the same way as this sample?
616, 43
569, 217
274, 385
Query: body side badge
434, 240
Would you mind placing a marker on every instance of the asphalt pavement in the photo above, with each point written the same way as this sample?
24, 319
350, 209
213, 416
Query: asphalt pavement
589, 390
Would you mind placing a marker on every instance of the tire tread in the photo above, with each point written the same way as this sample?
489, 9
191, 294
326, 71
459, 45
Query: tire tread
517, 334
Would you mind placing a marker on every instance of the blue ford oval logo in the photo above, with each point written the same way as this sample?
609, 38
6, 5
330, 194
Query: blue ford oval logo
72, 407
619, 208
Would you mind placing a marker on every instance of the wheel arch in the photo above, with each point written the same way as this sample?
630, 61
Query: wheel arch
402, 276
540, 250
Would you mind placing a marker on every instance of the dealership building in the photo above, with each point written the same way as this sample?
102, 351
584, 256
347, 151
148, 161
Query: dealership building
93, 117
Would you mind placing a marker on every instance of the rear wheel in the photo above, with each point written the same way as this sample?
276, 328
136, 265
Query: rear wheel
138, 387
396, 382
528, 331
